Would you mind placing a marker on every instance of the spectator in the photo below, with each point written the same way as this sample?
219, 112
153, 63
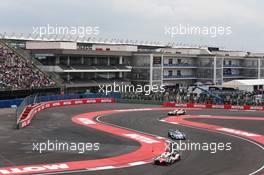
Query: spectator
175, 95
18, 73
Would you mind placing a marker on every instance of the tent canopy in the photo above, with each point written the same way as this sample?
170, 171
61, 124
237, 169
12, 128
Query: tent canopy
249, 82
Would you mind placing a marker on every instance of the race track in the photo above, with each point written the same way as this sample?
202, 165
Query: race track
56, 124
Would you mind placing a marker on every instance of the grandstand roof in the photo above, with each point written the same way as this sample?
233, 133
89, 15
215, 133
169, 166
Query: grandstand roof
248, 82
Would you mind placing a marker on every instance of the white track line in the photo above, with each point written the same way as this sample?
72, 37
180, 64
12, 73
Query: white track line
101, 168
137, 163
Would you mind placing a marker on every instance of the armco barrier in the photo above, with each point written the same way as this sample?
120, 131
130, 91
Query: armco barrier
213, 106
25, 121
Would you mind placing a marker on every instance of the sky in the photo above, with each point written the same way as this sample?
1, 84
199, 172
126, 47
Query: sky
144, 20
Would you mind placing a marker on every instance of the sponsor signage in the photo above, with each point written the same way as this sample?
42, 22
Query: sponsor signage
91, 101
67, 103
256, 108
78, 102
106, 100
237, 107
36, 109
199, 106
180, 105
33, 169
218, 106
56, 104
191, 105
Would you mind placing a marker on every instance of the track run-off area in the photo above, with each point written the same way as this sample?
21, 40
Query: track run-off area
131, 135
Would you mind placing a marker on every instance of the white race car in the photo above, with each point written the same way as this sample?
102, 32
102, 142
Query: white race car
177, 112
167, 158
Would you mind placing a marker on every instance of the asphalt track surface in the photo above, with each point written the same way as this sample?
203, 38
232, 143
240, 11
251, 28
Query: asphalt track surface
55, 124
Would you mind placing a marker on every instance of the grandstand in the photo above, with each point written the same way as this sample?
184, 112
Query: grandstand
18, 73
79, 66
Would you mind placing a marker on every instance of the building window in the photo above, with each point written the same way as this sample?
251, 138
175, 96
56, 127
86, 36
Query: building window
179, 61
229, 72
229, 63
170, 73
178, 73
224, 62
170, 61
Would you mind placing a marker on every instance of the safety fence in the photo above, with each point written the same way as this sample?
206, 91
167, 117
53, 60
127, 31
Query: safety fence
135, 101
213, 106
30, 100
24, 119
28, 103
15, 103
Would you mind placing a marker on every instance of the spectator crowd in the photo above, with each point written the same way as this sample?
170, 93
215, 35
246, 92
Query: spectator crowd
18, 73
255, 98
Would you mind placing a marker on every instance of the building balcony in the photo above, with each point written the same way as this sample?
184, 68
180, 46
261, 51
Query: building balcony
93, 68
182, 65
233, 66
96, 82
232, 76
176, 77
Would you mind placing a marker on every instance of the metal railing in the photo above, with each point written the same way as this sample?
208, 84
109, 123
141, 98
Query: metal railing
30, 100
180, 65
179, 76
136, 101
232, 65
34, 99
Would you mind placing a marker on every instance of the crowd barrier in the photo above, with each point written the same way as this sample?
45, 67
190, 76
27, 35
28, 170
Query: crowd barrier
213, 106
17, 102
10, 103
135, 101
28, 114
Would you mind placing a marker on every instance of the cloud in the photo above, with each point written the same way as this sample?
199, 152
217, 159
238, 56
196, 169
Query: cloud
190, 10
141, 19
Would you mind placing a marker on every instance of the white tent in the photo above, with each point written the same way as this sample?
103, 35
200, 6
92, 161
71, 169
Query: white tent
247, 85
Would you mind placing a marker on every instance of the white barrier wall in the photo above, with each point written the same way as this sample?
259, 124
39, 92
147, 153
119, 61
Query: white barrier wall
51, 45
109, 47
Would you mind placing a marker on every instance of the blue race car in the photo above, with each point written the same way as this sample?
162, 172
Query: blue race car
176, 135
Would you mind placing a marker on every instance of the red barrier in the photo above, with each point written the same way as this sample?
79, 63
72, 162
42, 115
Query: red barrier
41, 106
212, 106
